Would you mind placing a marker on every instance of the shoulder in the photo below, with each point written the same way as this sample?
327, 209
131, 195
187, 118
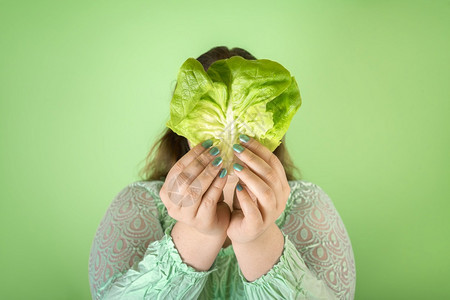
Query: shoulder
152, 186
136, 196
141, 191
303, 191
310, 200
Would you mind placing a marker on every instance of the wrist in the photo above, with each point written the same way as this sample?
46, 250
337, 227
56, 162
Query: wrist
196, 249
258, 256
266, 237
270, 232
209, 237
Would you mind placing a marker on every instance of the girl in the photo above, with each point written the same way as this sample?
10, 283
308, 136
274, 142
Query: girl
192, 231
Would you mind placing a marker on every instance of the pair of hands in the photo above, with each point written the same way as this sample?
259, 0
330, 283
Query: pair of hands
193, 188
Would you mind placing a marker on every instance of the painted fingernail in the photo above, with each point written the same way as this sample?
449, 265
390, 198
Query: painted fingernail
239, 187
208, 143
238, 148
223, 173
217, 161
244, 138
237, 167
214, 151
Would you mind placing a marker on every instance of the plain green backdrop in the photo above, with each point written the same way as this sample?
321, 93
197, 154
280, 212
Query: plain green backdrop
85, 88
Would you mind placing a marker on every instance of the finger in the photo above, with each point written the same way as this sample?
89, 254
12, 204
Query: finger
203, 181
184, 161
207, 208
193, 181
264, 153
236, 205
258, 166
257, 186
248, 206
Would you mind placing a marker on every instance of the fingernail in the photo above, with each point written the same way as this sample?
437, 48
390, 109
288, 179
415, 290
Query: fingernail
223, 173
239, 187
208, 143
217, 161
244, 138
238, 148
214, 151
237, 167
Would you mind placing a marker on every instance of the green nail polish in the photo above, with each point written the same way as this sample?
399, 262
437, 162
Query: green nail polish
217, 161
208, 143
244, 138
238, 148
223, 173
239, 187
237, 167
214, 151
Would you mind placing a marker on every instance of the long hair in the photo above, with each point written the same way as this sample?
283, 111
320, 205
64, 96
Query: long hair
170, 147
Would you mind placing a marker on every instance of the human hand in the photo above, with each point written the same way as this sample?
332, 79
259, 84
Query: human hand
192, 190
263, 176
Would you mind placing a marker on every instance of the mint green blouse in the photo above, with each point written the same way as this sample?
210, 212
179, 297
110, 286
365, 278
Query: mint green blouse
133, 255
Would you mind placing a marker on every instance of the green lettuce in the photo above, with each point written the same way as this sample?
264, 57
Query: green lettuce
235, 96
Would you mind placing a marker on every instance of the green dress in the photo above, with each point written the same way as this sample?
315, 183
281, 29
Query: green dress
133, 255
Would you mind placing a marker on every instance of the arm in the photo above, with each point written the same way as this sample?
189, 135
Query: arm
318, 234
288, 278
317, 261
257, 257
132, 256
269, 264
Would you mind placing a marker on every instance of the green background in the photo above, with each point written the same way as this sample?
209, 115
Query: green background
85, 88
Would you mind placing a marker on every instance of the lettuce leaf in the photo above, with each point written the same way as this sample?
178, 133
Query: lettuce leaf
235, 96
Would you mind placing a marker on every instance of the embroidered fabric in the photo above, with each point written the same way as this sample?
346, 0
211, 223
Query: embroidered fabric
136, 222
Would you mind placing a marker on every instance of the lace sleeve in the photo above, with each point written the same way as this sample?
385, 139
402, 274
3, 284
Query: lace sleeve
317, 231
128, 227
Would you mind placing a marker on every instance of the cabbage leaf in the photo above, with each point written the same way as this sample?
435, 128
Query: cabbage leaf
234, 96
